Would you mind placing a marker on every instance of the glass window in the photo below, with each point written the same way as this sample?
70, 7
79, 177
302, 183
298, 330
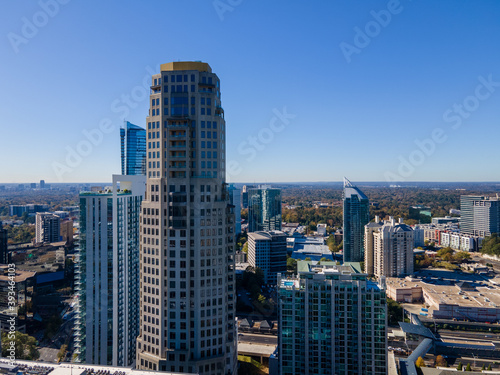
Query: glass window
157, 101
179, 88
203, 124
215, 144
185, 77
209, 101
203, 144
209, 111
210, 80
165, 88
202, 110
165, 101
192, 88
215, 164
178, 78
202, 101
209, 134
202, 134
192, 110
149, 125
203, 154
192, 77
209, 145
214, 135
203, 164
185, 88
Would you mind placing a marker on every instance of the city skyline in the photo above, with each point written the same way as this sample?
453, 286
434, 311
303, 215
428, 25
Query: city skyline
367, 68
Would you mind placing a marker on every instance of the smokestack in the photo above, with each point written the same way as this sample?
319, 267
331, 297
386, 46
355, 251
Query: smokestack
391, 220
377, 219
400, 220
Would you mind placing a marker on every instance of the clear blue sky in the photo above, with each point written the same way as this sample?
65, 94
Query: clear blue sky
359, 118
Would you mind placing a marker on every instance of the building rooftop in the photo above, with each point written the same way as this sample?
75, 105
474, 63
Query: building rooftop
186, 65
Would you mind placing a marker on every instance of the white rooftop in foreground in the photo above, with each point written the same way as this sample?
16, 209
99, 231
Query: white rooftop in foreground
256, 349
79, 368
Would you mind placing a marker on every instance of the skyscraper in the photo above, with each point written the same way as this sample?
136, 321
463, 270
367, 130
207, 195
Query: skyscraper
235, 199
267, 251
389, 248
48, 227
4, 253
356, 215
107, 276
332, 321
133, 149
480, 216
187, 223
264, 209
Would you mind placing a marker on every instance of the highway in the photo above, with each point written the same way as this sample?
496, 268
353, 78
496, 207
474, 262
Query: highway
251, 338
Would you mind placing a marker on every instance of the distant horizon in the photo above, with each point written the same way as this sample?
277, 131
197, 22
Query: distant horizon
274, 182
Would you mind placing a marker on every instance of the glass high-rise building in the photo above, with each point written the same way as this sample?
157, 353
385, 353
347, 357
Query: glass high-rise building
264, 209
4, 252
133, 149
188, 297
332, 320
107, 273
356, 214
480, 216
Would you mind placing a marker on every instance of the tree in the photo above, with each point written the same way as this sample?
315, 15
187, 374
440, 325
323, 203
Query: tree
461, 256
489, 367
25, 346
491, 245
483, 367
420, 362
394, 312
62, 353
467, 368
245, 247
323, 260
291, 265
460, 367
441, 362
308, 259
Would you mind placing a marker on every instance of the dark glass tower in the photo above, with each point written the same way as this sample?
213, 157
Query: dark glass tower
356, 215
264, 209
4, 254
133, 149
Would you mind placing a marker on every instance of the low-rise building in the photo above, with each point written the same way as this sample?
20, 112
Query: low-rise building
267, 251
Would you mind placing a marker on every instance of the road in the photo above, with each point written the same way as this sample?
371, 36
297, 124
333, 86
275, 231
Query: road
251, 338
470, 336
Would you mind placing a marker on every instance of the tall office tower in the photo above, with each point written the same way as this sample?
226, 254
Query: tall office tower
244, 197
133, 149
107, 276
4, 253
356, 215
480, 216
235, 200
187, 223
332, 321
264, 209
389, 248
48, 227
42, 184
267, 251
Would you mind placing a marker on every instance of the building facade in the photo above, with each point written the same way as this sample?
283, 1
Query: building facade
389, 248
332, 321
107, 274
235, 200
188, 297
264, 209
480, 216
356, 214
133, 149
267, 251
4, 252
48, 227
